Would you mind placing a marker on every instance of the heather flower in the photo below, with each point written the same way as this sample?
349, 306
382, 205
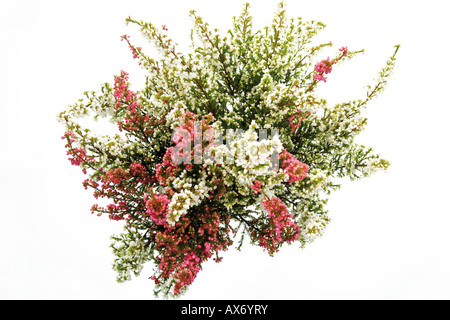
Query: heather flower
225, 143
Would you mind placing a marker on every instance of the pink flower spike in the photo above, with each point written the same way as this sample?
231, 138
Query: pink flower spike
256, 187
295, 169
319, 77
344, 50
157, 208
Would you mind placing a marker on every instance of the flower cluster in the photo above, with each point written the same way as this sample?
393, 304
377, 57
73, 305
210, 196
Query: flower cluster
184, 248
280, 227
293, 167
228, 140
326, 66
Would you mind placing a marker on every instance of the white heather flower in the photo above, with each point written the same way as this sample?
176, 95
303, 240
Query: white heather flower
248, 159
191, 193
174, 117
322, 127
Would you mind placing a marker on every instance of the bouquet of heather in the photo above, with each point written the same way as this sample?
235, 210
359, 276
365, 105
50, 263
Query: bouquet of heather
223, 144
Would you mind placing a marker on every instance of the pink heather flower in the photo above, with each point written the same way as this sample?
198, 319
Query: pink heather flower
295, 120
324, 66
319, 77
135, 51
321, 68
192, 138
77, 156
344, 50
157, 208
256, 187
121, 87
166, 169
281, 223
181, 258
164, 27
295, 169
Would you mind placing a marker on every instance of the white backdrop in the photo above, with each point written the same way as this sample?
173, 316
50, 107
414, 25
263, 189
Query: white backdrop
389, 236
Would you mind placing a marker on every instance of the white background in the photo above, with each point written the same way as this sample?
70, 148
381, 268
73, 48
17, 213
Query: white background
389, 236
